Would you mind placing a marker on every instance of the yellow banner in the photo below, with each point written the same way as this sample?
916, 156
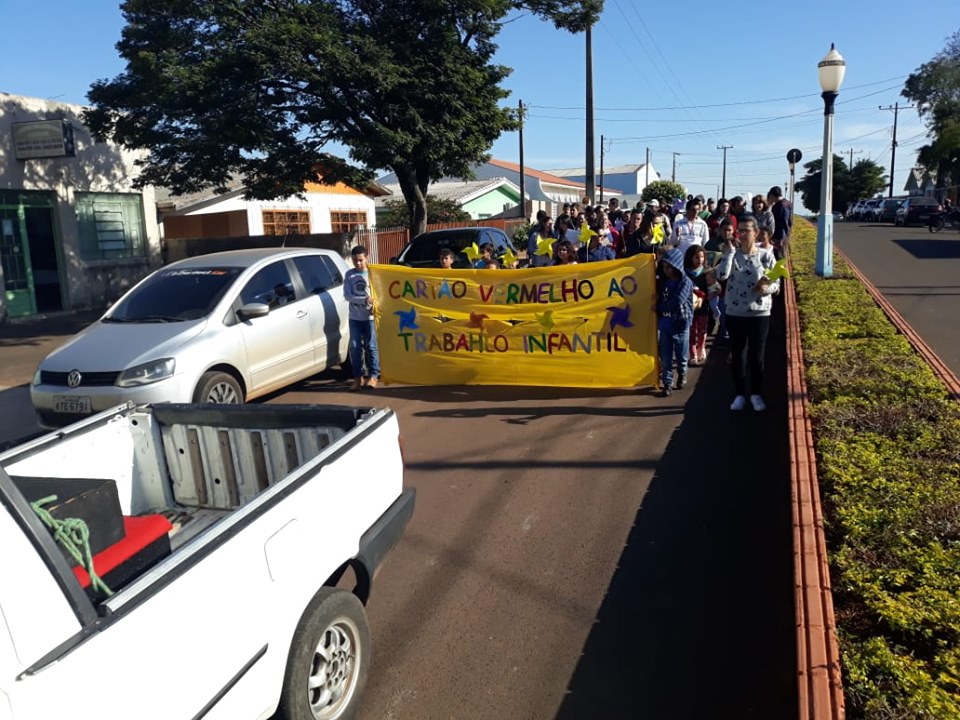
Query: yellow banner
585, 325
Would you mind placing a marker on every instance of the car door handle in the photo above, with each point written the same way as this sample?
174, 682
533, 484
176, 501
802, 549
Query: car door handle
301, 313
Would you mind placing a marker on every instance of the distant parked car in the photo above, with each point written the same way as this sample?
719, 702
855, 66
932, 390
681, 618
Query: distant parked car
854, 211
220, 328
866, 211
887, 211
424, 250
916, 211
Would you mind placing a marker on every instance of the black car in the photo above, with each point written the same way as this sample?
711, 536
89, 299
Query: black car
424, 249
916, 211
888, 210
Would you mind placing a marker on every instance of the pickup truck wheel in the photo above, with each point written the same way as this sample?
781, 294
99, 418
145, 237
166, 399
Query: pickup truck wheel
329, 659
218, 387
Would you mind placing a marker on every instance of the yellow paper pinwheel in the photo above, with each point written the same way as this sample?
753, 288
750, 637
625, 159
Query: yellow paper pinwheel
658, 233
585, 232
472, 252
545, 246
508, 258
779, 270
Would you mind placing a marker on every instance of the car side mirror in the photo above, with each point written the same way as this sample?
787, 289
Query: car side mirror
253, 310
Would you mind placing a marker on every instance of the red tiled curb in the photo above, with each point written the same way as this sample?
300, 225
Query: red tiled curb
820, 693
945, 374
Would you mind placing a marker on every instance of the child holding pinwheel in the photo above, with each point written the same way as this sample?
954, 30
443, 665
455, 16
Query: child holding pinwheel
751, 280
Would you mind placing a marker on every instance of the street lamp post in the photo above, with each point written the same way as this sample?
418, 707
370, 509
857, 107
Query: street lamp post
831, 71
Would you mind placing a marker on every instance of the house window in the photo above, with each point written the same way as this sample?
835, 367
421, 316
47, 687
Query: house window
286, 222
111, 225
344, 221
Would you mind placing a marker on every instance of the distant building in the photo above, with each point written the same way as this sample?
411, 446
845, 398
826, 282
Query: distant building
335, 208
481, 199
74, 232
921, 182
625, 179
542, 190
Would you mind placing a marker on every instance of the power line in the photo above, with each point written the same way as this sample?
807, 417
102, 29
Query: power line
717, 105
743, 125
672, 121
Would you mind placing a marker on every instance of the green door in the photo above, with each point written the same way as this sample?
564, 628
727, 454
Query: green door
15, 260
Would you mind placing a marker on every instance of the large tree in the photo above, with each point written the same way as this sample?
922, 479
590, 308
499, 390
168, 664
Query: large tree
865, 180
935, 88
216, 89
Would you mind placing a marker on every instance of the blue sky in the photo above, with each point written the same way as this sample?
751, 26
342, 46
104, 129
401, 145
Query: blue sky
745, 78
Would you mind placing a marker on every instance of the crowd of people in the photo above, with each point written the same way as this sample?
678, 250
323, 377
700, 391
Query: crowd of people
713, 263
713, 276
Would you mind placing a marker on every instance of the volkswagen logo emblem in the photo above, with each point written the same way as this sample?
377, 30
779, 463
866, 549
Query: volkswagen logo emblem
74, 378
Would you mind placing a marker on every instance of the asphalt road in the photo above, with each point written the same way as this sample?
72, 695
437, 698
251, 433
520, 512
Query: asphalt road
918, 272
574, 553
586, 554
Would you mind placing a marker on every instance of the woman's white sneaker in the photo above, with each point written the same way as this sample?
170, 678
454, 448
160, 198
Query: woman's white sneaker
739, 402
758, 404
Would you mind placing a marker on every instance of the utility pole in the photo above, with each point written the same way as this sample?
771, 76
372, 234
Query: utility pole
852, 153
893, 147
647, 168
673, 175
601, 168
591, 177
523, 195
723, 192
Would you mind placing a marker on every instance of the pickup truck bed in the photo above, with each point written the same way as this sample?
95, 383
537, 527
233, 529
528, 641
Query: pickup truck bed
268, 503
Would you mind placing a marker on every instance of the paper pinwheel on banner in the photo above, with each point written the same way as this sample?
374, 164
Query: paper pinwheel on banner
777, 271
472, 252
408, 319
545, 246
545, 320
508, 258
476, 320
620, 316
658, 233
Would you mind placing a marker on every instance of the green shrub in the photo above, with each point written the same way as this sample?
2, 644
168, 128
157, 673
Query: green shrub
887, 440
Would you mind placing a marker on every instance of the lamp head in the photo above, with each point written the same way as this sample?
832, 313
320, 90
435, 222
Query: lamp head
831, 71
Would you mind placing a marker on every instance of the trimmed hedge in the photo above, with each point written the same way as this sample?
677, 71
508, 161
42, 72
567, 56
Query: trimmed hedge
888, 451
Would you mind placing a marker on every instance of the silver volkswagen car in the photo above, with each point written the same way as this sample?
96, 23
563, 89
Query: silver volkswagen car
223, 328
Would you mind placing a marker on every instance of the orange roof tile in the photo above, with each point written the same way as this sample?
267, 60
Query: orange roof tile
553, 179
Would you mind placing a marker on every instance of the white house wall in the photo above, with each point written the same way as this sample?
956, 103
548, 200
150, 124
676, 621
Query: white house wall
318, 204
96, 167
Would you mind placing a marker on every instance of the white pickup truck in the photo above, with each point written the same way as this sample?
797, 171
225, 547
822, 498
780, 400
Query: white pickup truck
251, 537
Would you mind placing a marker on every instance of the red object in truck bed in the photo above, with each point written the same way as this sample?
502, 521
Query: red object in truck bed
140, 532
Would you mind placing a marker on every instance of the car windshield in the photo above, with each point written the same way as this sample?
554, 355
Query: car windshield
427, 246
175, 295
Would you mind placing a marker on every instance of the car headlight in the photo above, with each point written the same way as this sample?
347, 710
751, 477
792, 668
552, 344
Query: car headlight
147, 373
36, 377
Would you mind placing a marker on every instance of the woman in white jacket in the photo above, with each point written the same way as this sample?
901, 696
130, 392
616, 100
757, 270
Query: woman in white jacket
748, 311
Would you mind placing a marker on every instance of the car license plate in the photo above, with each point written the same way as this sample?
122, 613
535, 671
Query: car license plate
72, 404
924, 216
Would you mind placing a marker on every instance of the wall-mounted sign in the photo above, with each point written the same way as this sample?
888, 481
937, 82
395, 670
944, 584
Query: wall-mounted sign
43, 139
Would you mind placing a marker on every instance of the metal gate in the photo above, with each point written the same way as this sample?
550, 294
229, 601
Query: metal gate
16, 279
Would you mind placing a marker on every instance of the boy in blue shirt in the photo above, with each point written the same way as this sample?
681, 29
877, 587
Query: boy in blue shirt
674, 316
363, 335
